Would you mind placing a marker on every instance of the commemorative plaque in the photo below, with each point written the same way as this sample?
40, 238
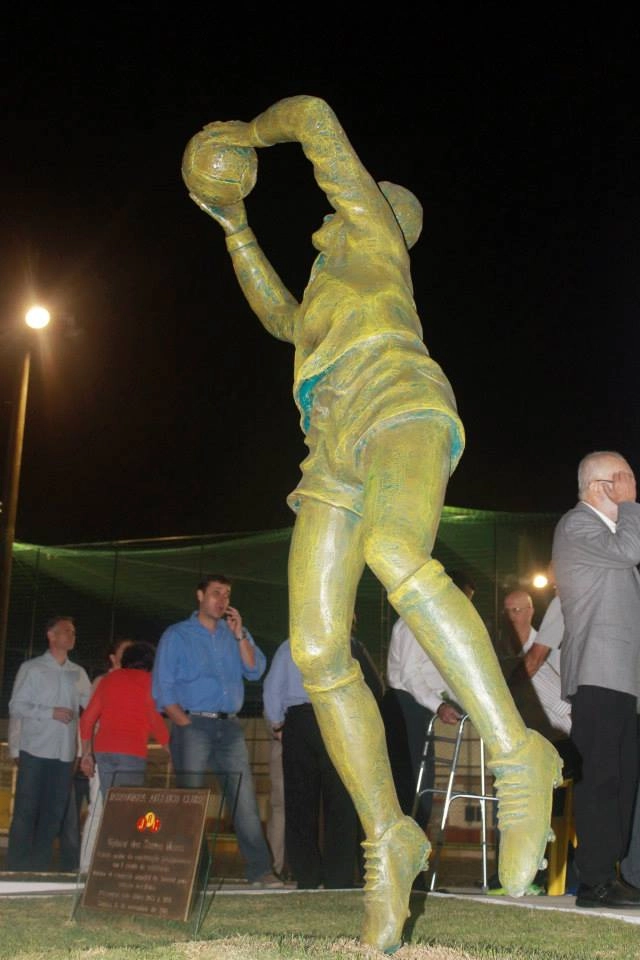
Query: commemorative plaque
148, 851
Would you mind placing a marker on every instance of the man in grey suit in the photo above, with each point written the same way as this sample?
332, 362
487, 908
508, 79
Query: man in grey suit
596, 549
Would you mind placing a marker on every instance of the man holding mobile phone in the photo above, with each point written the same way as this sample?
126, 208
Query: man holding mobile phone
198, 680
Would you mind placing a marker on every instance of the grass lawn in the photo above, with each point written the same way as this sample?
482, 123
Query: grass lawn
314, 926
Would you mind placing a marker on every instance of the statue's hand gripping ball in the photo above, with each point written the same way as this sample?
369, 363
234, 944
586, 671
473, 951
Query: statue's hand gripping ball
218, 174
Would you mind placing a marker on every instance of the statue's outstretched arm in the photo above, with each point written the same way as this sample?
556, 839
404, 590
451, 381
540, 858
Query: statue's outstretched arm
311, 122
267, 295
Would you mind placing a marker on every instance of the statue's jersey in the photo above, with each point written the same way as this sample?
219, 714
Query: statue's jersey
360, 360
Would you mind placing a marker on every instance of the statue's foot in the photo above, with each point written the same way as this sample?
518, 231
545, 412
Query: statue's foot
524, 781
391, 865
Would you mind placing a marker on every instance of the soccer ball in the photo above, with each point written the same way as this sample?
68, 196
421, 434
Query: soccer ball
218, 173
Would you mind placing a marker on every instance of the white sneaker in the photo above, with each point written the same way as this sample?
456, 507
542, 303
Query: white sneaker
269, 881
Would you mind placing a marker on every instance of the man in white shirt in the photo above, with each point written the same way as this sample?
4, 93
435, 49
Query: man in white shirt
47, 695
545, 681
415, 694
550, 633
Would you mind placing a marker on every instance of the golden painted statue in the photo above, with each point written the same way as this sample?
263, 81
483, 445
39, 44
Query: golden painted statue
383, 434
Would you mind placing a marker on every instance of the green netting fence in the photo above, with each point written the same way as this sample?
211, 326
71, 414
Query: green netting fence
137, 588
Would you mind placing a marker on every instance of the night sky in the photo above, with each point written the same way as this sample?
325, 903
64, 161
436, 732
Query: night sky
158, 405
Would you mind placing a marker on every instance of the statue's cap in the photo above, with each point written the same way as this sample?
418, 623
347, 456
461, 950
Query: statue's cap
406, 208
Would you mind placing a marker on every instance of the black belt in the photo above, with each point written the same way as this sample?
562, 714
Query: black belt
212, 715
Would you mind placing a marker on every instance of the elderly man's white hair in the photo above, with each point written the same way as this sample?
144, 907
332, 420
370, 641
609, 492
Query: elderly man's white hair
590, 467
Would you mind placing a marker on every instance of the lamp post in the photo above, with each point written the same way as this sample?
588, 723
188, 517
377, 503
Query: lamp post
36, 318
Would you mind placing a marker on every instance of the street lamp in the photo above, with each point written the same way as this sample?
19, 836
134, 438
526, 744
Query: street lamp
540, 581
36, 317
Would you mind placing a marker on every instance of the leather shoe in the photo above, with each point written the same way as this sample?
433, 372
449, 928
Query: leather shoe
613, 893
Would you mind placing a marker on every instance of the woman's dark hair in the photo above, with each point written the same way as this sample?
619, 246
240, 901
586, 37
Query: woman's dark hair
114, 646
138, 656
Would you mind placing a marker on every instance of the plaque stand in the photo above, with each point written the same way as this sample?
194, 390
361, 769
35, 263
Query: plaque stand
153, 854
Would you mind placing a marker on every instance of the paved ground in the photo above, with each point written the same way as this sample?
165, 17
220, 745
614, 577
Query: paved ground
460, 875
44, 886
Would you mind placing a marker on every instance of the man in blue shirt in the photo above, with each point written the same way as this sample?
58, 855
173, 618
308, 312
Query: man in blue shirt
311, 784
198, 680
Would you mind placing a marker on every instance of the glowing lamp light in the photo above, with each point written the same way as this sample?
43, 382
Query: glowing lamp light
540, 581
37, 318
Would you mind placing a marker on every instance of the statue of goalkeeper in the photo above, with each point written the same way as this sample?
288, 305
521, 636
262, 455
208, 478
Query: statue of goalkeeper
383, 434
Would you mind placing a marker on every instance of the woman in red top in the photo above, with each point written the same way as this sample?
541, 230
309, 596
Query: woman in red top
119, 719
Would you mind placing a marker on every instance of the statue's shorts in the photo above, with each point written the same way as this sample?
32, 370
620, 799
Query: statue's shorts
370, 388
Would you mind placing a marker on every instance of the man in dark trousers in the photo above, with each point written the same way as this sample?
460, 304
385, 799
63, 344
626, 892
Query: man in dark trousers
47, 696
596, 549
313, 791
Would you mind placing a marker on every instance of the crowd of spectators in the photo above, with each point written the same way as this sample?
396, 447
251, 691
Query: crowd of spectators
73, 739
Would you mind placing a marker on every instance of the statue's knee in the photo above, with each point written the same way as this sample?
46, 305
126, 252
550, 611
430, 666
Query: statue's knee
394, 558
429, 582
322, 664
311, 659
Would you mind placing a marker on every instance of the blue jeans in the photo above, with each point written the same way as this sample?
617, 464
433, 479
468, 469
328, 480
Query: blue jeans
218, 746
120, 770
42, 794
70, 834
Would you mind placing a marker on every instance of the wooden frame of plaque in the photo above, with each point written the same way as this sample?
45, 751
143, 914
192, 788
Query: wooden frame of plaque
148, 852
